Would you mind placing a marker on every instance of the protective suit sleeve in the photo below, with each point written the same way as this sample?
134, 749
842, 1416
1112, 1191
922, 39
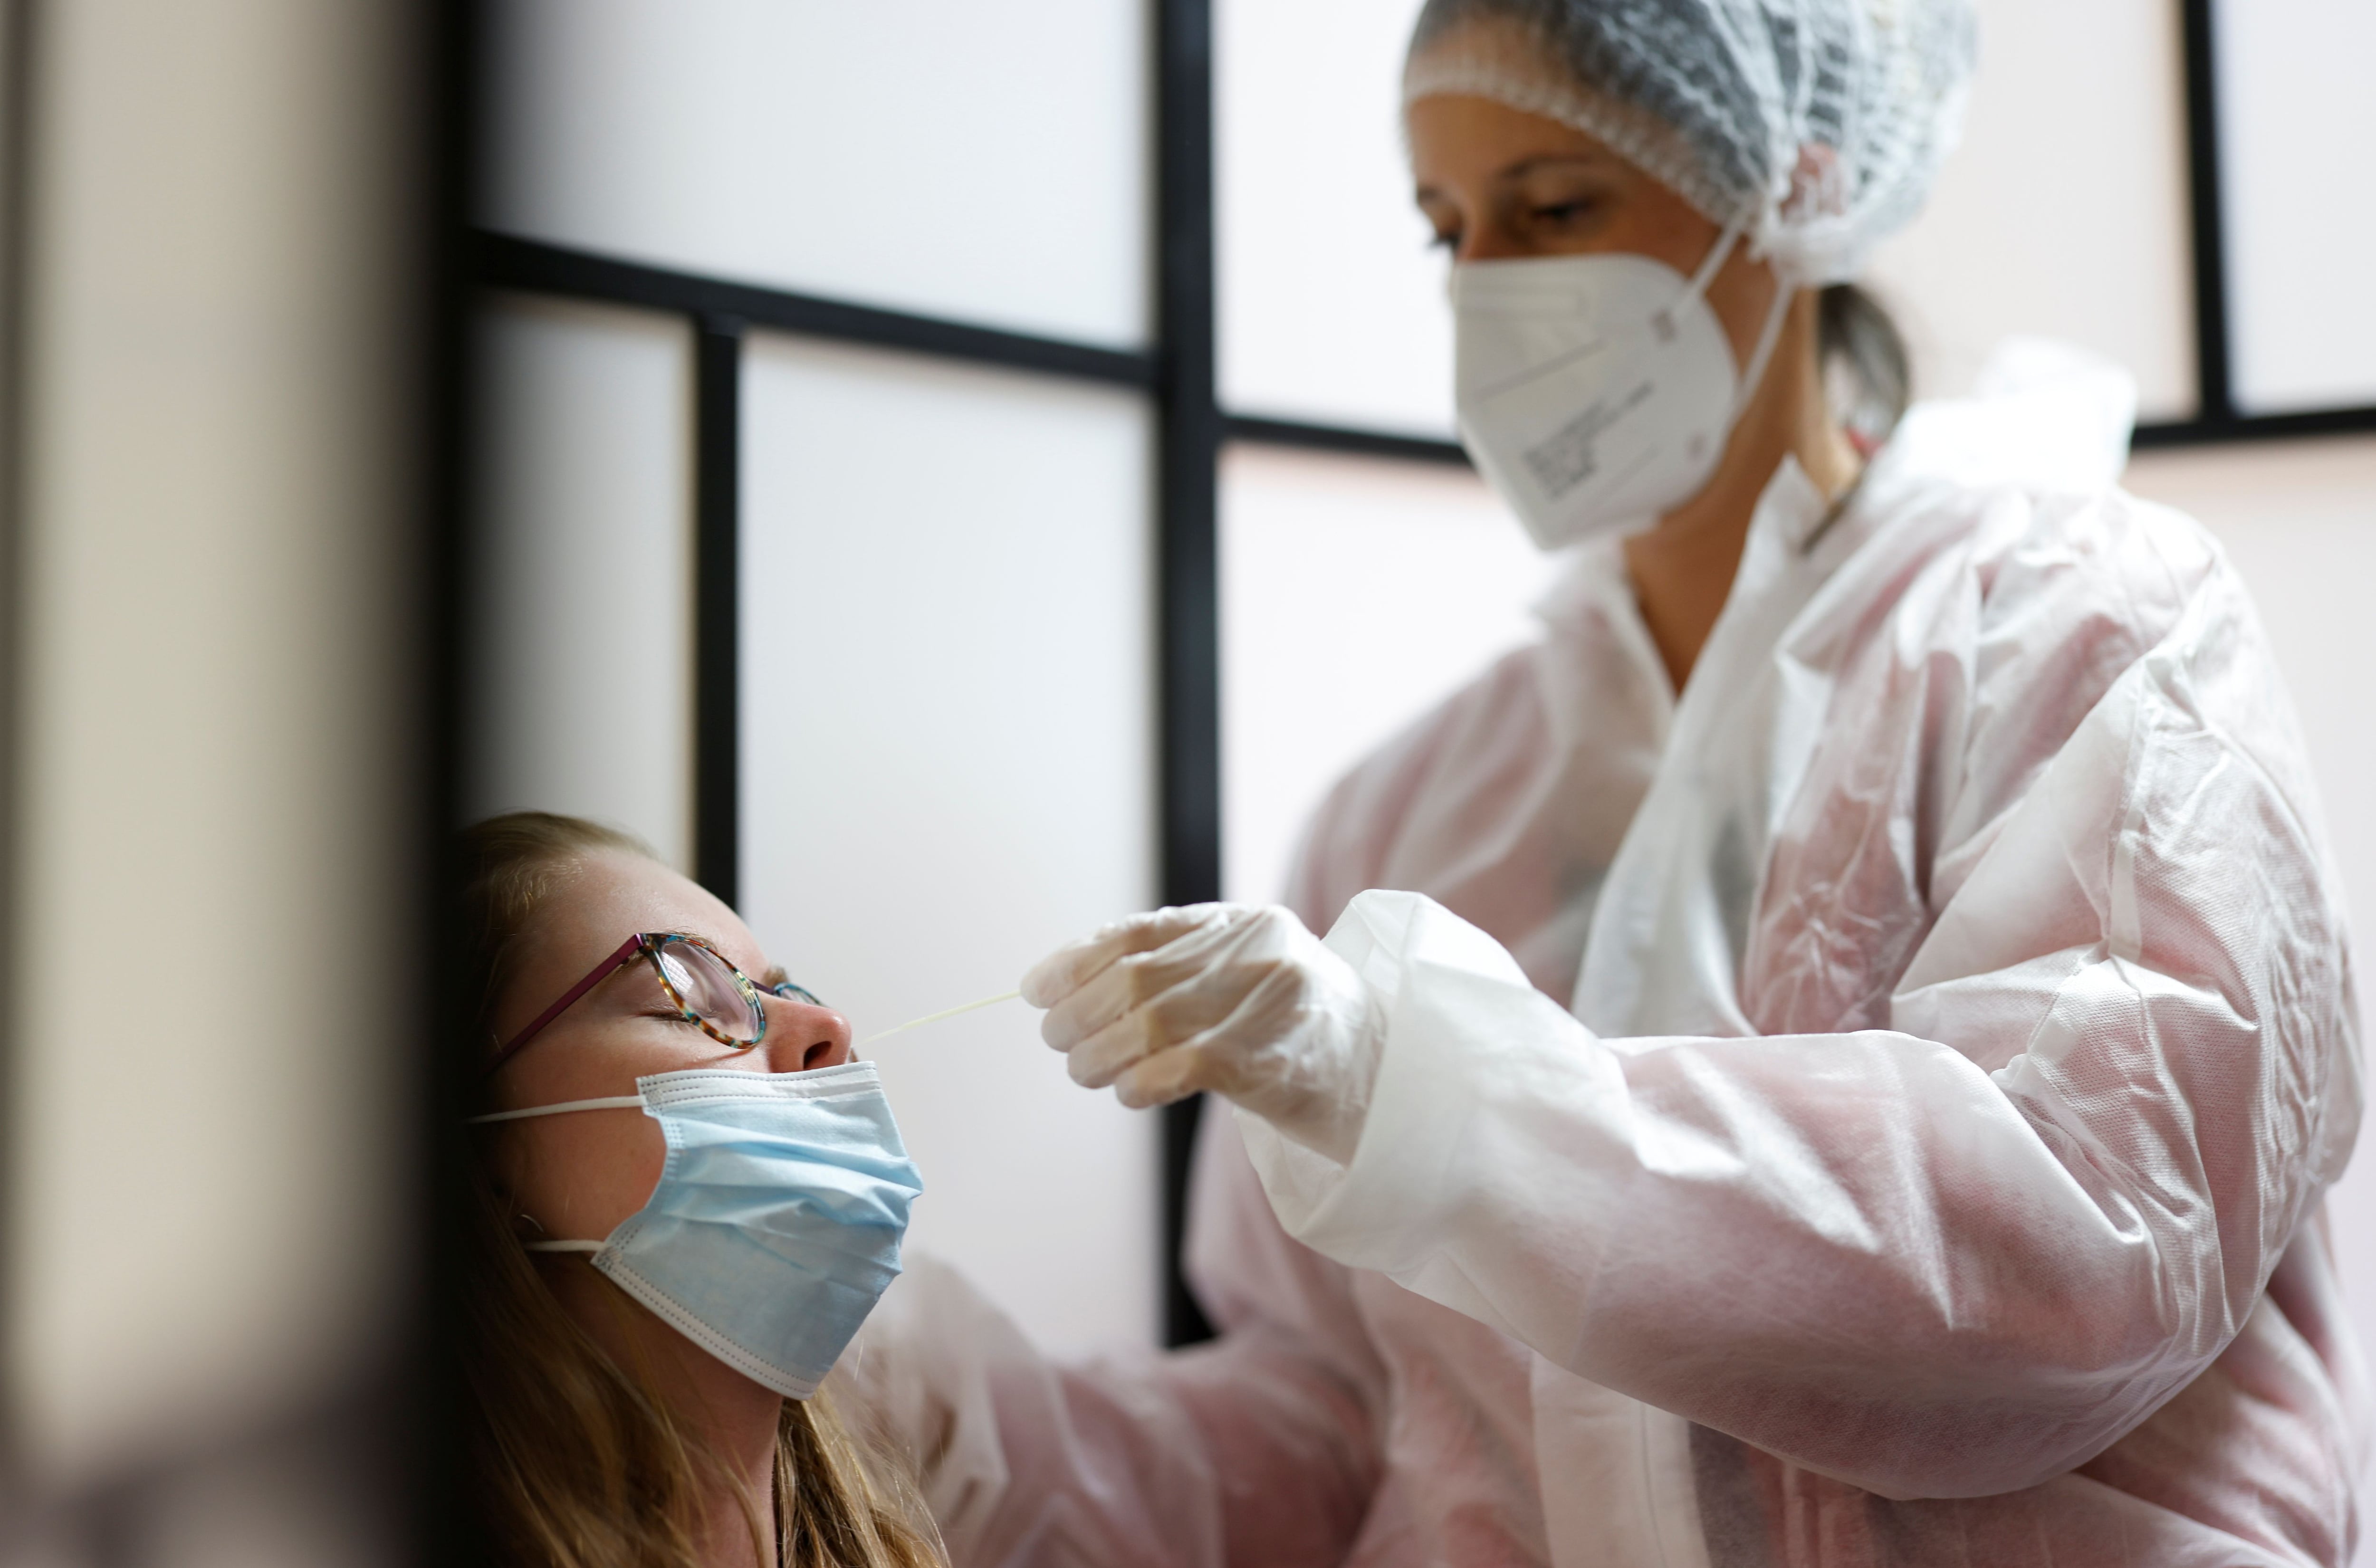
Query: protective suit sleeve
1247, 1453
1952, 1258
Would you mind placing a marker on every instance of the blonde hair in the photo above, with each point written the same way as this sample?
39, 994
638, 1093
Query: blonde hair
576, 1461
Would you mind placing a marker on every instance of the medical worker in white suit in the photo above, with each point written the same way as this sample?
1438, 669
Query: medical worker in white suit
1832, 1056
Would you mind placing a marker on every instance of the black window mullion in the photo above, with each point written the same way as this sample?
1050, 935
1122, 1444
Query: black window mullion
509, 261
718, 602
1189, 659
2216, 396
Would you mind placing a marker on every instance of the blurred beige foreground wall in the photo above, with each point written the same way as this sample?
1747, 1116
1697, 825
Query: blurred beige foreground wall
212, 982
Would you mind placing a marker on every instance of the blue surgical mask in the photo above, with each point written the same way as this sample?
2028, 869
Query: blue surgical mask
777, 1221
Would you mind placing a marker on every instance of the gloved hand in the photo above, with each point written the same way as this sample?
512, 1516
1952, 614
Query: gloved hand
1228, 997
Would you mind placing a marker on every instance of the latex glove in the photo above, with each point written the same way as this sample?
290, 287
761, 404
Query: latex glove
1227, 997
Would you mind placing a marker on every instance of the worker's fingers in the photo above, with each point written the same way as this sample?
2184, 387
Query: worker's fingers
1065, 971
1200, 954
1165, 1076
1106, 1055
1204, 1001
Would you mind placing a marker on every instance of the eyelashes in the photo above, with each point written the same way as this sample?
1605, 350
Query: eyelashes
1551, 215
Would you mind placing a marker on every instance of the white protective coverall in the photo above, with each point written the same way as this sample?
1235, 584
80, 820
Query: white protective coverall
1929, 1169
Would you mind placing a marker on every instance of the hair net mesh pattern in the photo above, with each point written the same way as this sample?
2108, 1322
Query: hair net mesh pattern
1819, 123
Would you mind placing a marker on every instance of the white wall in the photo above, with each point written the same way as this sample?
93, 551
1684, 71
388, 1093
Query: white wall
948, 719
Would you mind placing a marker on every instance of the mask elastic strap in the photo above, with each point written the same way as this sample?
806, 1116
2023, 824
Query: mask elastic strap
608, 1102
1718, 254
1767, 339
612, 1102
1767, 336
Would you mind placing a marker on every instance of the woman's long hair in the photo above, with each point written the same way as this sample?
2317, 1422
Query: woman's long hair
576, 1461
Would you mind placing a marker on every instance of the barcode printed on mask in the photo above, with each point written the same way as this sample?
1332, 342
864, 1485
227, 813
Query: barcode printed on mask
1569, 456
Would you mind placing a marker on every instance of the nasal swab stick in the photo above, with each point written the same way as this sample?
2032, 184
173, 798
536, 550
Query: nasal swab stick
936, 1017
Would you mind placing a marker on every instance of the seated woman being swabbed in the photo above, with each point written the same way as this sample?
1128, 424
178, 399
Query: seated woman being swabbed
689, 1195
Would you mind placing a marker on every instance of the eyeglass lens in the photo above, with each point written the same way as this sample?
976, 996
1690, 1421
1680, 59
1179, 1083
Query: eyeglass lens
705, 987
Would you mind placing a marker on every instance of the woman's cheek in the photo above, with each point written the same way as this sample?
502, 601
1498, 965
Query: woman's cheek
638, 1173
581, 1181
652, 1156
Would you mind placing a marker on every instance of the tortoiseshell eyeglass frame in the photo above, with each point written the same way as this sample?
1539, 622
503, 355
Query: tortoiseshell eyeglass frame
649, 945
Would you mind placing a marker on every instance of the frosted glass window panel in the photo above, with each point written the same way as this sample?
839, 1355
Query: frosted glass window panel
2064, 210
581, 664
1354, 593
1332, 305
948, 734
2298, 521
2296, 120
988, 163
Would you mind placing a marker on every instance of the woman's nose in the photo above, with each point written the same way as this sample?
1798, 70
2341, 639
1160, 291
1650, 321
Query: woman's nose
811, 1037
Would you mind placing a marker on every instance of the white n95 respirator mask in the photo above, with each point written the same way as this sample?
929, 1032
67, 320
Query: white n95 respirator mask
1597, 392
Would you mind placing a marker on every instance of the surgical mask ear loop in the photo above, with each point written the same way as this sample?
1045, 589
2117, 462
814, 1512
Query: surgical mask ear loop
608, 1102
550, 1245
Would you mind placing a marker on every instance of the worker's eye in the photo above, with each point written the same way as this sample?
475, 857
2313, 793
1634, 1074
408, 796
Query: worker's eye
1559, 214
1445, 240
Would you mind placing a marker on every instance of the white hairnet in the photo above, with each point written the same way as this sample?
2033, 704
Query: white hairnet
1818, 124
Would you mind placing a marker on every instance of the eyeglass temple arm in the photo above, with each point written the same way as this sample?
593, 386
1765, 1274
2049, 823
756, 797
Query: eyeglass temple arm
622, 954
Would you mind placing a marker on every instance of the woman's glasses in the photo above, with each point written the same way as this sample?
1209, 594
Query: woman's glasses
698, 982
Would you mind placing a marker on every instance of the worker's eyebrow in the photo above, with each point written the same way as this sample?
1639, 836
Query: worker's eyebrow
1524, 166
774, 978
1529, 165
